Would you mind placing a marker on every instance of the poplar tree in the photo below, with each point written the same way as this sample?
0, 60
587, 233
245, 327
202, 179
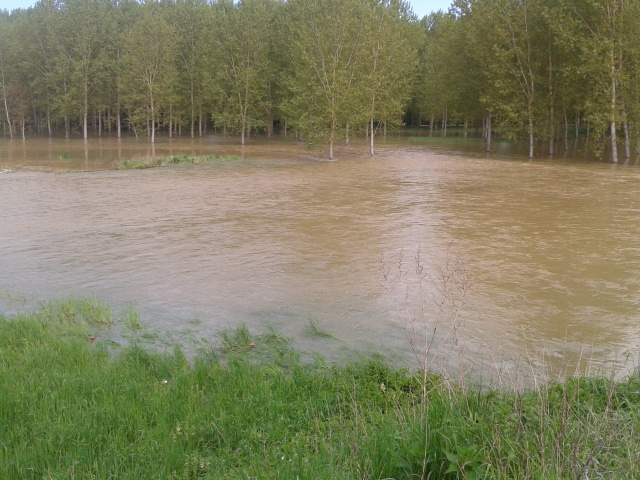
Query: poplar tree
6, 69
194, 25
436, 88
43, 63
80, 33
148, 68
242, 50
605, 55
516, 67
389, 62
326, 38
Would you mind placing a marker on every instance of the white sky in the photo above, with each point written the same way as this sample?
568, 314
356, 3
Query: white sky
420, 7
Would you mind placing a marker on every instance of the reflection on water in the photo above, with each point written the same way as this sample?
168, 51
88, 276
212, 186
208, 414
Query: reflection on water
280, 239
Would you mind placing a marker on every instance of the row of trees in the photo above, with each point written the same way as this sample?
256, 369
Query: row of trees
319, 66
540, 70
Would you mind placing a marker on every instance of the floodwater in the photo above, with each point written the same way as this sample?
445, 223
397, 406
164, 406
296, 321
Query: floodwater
501, 268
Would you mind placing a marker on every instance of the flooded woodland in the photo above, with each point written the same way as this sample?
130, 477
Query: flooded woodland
505, 268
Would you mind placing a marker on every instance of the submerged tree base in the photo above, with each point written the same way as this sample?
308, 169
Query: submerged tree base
72, 406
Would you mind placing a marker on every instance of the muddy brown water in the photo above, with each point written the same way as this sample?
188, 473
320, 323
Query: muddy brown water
550, 248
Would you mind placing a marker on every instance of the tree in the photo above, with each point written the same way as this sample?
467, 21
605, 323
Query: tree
326, 39
605, 56
79, 31
516, 70
194, 25
7, 66
242, 44
389, 61
148, 68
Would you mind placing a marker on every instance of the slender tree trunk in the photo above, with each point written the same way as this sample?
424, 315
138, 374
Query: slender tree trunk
153, 122
346, 135
614, 137
193, 113
85, 113
270, 125
566, 131
488, 124
552, 132
242, 130
6, 107
332, 136
627, 140
444, 122
371, 150
118, 122
531, 137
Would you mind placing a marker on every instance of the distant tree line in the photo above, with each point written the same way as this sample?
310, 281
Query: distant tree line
543, 71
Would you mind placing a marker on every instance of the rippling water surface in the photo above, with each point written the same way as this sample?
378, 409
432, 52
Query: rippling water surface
549, 248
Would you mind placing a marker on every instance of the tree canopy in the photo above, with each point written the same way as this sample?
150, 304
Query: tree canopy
537, 70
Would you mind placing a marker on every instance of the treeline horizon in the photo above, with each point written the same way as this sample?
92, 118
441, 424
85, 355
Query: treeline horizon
542, 71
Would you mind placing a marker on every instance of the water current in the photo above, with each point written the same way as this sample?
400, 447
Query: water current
505, 269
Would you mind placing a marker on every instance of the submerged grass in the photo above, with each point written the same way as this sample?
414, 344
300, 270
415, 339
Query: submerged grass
315, 330
140, 163
73, 408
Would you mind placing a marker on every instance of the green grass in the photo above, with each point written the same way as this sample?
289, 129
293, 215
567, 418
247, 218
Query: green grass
131, 318
314, 330
250, 408
140, 163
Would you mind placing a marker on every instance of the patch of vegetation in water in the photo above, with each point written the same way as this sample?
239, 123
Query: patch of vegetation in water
72, 407
140, 163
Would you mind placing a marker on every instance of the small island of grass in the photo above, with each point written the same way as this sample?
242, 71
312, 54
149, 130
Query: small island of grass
141, 163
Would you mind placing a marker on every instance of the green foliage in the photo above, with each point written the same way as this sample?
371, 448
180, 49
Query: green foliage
241, 48
316, 331
73, 311
71, 407
131, 318
325, 68
136, 163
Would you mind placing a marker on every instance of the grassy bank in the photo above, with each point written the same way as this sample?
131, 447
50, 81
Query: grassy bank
139, 163
75, 406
